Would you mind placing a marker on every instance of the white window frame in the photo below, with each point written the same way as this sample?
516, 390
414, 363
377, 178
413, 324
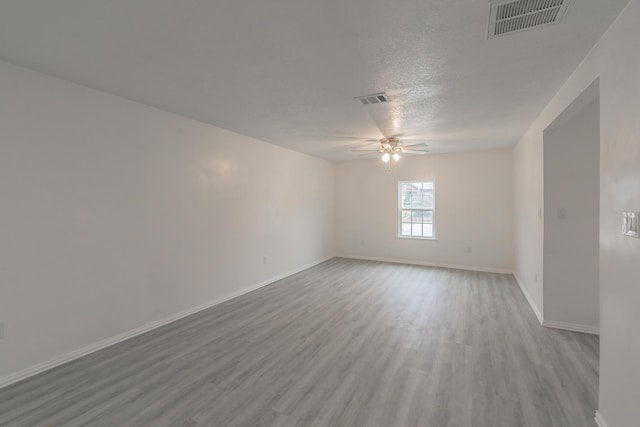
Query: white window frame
400, 209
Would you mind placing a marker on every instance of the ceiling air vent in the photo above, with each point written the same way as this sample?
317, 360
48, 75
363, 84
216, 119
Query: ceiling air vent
507, 17
373, 99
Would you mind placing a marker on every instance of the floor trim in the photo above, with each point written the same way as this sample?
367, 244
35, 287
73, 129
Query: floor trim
428, 264
600, 421
585, 329
529, 299
76, 354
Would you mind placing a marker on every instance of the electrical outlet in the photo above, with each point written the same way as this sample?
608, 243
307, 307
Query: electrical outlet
562, 213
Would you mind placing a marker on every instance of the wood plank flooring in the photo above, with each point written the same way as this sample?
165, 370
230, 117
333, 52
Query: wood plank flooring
346, 343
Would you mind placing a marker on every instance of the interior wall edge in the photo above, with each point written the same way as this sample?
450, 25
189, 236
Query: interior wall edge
600, 421
428, 264
529, 299
92, 348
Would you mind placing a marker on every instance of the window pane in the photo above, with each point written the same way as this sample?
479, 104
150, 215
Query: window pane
427, 230
406, 229
428, 200
406, 200
416, 229
427, 217
416, 217
408, 188
406, 217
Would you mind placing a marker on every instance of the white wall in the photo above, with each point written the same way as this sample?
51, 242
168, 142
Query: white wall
529, 225
474, 209
114, 215
616, 61
571, 226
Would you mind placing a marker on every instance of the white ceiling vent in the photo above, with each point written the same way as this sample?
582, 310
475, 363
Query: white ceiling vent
376, 98
507, 17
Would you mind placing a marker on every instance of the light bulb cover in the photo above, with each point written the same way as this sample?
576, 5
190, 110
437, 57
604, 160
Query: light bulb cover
385, 157
396, 156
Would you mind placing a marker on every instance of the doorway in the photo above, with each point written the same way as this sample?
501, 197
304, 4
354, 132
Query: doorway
572, 216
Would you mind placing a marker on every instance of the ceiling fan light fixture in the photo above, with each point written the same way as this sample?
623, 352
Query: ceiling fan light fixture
391, 149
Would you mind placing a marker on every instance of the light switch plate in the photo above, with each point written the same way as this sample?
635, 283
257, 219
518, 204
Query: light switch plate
630, 224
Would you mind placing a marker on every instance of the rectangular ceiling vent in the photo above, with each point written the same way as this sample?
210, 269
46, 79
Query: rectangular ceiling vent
373, 99
508, 17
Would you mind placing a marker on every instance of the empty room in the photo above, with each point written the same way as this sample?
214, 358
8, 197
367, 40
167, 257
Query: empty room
368, 213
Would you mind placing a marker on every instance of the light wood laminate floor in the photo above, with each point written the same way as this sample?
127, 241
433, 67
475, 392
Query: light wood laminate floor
346, 343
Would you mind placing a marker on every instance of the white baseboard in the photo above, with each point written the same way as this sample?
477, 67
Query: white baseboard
586, 329
428, 264
68, 357
600, 421
552, 323
533, 305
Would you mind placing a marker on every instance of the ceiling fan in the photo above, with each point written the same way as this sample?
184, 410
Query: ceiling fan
387, 115
390, 148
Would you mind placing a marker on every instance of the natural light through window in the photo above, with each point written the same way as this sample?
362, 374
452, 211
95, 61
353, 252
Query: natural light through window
416, 209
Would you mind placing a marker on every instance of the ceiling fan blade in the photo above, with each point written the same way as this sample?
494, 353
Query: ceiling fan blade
421, 144
329, 137
360, 145
367, 143
354, 138
371, 151
412, 152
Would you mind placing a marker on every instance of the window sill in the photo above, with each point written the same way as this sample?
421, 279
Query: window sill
415, 238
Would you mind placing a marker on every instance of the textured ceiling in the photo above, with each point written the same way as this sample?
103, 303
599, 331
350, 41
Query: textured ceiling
287, 71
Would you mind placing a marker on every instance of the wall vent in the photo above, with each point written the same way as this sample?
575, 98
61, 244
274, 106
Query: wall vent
376, 98
508, 17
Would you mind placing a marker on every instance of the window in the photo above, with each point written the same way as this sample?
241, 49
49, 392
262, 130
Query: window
416, 209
